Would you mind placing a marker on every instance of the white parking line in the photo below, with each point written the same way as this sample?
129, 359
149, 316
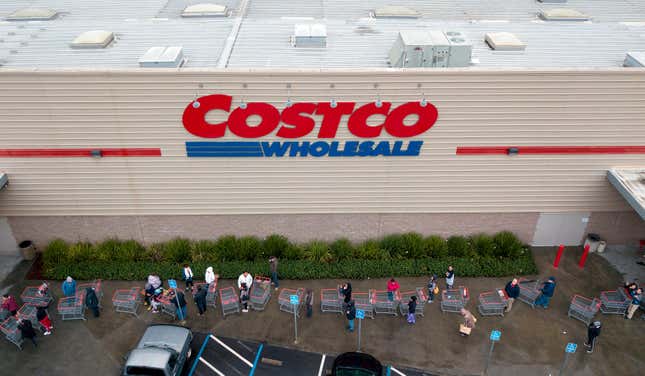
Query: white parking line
232, 351
397, 371
322, 365
211, 367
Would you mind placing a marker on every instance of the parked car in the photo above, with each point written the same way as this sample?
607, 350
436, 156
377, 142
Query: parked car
356, 364
162, 351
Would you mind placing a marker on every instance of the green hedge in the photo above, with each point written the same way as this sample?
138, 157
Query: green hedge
395, 255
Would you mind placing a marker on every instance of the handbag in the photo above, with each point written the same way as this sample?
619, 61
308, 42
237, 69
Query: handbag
436, 290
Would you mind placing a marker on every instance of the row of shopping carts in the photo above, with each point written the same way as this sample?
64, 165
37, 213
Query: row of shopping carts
373, 302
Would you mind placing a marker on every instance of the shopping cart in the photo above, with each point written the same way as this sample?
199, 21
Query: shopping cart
31, 296
3, 314
583, 309
421, 301
9, 328
331, 300
229, 301
453, 300
168, 307
29, 312
260, 293
127, 301
529, 291
72, 307
492, 303
382, 303
362, 301
97, 285
614, 302
284, 300
211, 293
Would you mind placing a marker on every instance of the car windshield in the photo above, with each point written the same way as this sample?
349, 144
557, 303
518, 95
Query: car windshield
144, 371
354, 372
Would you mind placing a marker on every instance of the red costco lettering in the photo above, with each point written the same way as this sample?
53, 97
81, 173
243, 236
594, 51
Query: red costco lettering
297, 120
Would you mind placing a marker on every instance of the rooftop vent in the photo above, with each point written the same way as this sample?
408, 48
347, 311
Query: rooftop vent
395, 11
93, 39
205, 10
163, 57
563, 14
421, 48
634, 59
310, 35
32, 14
504, 42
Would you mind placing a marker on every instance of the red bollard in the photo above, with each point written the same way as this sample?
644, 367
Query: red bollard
583, 259
556, 262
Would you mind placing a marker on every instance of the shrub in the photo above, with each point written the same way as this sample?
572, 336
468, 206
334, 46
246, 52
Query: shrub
226, 248
458, 246
508, 245
393, 245
276, 245
317, 251
114, 249
155, 252
371, 250
55, 252
435, 246
483, 245
342, 249
249, 248
293, 252
79, 252
203, 250
176, 250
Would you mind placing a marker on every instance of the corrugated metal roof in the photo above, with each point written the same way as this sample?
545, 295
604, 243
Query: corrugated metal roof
354, 39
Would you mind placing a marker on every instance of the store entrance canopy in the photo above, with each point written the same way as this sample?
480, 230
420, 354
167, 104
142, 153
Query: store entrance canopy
630, 182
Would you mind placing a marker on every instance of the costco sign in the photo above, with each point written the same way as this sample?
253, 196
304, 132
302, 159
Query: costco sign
296, 121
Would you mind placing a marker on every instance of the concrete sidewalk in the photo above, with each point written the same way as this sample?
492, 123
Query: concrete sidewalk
532, 343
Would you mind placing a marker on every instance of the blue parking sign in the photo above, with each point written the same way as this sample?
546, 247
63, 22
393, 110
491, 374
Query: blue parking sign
172, 283
360, 314
294, 299
571, 348
495, 335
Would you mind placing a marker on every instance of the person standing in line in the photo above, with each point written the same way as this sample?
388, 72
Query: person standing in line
27, 330
209, 276
245, 277
179, 301
350, 313
450, 277
547, 293
69, 286
43, 319
512, 290
593, 331
200, 299
412, 309
392, 287
273, 264
309, 302
469, 322
9, 303
636, 302
92, 301
188, 276
244, 297
433, 289
346, 292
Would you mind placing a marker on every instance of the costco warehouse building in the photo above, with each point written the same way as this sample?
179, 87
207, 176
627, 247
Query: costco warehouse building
154, 119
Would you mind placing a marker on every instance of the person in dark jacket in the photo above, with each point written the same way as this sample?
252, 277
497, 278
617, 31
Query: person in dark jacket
273, 265
309, 302
92, 301
547, 293
432, 286
412, 309
636, 298
43, 319
244, 297
27, 330
346, 291
350, 313
200, 299
178, 299
512, 290
593, 331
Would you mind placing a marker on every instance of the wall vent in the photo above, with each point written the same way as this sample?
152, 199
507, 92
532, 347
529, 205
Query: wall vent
93, 39
32, 14
504, 41
309, 35
426, 49
563, 14
395, 11
205, 10
634, 59
163, 57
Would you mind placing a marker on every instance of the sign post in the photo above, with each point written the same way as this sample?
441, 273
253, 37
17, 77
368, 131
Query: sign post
294, 302
360, 315
570, 349
173, 285
495, 335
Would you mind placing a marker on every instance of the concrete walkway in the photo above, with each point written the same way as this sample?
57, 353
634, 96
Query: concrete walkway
532, 343
625, 261
7, 266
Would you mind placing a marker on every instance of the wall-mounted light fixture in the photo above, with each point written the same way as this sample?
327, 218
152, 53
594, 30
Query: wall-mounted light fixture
512, 151
332, 102
96, 153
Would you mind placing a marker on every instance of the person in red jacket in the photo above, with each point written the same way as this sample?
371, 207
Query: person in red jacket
9, 303
392, 288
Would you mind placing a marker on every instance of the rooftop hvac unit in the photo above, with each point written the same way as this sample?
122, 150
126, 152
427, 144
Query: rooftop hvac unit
430, 49
163, 57
634, 59
310, 35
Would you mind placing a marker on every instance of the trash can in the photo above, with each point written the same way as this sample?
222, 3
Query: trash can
601, 246
27, 249
592, 240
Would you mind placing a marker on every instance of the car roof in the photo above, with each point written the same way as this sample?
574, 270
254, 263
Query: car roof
172, 336
148, 357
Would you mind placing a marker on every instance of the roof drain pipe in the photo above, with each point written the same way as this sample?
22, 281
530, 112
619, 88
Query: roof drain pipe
232, 37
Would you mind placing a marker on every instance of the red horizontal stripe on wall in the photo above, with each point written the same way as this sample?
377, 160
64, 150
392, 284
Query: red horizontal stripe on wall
475, 150
56, 153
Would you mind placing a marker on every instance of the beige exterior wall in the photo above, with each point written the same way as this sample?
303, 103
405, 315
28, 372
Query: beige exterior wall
68, 109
